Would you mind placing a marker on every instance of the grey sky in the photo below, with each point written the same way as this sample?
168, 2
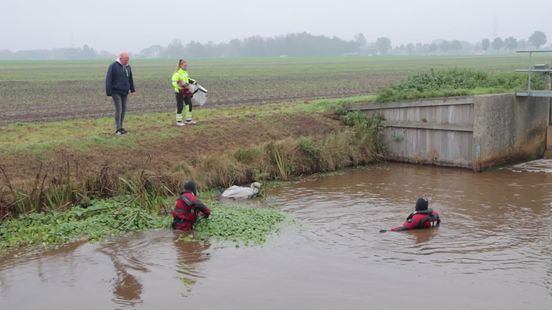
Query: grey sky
134, 24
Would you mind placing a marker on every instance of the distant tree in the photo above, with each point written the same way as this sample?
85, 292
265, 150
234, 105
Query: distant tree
194, 49
87, 52
6, 54
485, 44
510, 43
360, 40
234, 47
401, 49
153, 51
456, 46
105, 55
410, 48
444, 46
433, 47
255, 46
383, 45
71, 53
537, 39
293, 44
497, 44
175, 49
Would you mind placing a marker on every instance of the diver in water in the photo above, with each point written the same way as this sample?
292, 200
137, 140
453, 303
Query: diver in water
188, 208
423, 217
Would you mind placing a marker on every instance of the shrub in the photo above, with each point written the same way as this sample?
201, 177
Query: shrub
456, 82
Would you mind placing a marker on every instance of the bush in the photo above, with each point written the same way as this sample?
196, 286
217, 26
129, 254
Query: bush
456, 82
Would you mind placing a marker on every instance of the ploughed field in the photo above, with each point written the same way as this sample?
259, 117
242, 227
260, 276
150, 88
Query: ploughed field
45, 90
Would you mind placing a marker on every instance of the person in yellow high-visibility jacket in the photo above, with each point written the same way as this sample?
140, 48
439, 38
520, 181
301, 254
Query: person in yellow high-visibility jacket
180, 83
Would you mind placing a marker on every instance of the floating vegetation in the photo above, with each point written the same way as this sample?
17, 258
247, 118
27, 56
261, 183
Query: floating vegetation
240, 224
102, 219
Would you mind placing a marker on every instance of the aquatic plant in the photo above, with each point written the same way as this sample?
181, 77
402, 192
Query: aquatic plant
102, 219
240, 224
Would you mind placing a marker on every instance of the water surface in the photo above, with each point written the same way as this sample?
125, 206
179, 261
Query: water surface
493, 250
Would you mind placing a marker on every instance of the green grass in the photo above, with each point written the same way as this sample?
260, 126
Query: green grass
457, 82
87, 134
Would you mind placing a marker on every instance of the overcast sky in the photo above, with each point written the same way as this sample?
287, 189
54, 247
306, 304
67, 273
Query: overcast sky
135, 24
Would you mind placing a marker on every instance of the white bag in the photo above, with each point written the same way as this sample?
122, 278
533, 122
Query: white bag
199, 94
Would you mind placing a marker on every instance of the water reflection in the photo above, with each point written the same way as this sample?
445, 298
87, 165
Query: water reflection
189, 255
138, 257
421, 236
126, 287
39, 262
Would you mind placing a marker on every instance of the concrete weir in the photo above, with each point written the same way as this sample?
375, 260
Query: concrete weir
476, 132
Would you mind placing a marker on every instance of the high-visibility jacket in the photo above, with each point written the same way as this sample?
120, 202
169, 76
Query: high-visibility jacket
180, 77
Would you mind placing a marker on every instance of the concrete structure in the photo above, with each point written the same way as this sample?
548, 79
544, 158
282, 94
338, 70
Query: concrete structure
472, 132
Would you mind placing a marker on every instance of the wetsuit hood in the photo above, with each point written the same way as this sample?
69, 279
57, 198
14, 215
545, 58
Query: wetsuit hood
190, 186
421, 204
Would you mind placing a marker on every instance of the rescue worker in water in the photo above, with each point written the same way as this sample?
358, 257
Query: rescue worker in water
423, 217
188, 208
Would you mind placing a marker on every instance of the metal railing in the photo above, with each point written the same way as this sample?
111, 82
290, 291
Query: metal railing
543, 69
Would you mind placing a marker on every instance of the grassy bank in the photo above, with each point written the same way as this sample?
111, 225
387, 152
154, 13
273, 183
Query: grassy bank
52, 166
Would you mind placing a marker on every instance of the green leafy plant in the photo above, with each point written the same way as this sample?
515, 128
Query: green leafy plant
240, 224
456, 82
102, 219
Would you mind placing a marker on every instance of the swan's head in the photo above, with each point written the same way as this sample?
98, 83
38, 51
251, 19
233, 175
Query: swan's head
255, 186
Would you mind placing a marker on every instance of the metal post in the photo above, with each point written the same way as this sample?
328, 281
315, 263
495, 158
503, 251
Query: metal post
529, 75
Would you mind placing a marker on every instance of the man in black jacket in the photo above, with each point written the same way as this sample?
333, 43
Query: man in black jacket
118, 83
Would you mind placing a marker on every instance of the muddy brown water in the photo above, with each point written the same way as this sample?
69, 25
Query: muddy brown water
492, 251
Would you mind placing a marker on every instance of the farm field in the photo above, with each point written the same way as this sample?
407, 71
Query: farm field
46, 90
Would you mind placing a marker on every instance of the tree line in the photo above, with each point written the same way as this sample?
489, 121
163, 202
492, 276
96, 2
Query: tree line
78, 53
296, 44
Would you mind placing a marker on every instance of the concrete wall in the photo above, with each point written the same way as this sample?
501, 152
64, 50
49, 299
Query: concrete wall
471, 132
437, 131
509, 129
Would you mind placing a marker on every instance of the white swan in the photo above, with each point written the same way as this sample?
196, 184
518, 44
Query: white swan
239, 192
